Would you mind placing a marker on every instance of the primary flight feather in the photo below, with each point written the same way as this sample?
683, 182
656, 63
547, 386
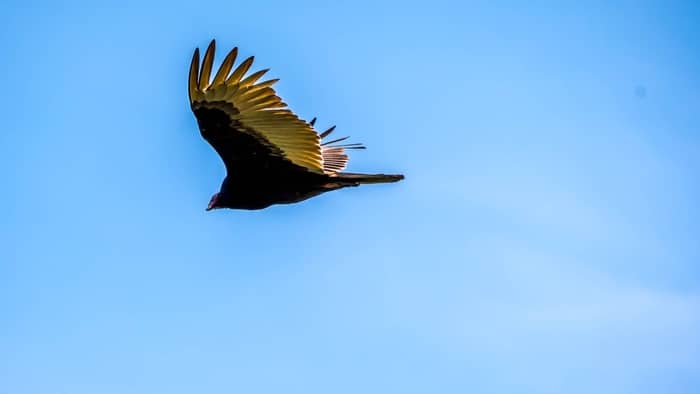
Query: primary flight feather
270, 154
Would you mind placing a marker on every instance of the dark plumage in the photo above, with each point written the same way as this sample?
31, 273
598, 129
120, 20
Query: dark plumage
271, 156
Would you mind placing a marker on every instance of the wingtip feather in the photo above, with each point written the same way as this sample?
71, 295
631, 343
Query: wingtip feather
240, 71
225, 67
207, 63
194, 75
325, 133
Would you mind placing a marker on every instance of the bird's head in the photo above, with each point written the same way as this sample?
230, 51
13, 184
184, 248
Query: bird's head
214, 202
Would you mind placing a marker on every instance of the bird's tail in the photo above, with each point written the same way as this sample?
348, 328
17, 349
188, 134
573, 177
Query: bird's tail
368, 178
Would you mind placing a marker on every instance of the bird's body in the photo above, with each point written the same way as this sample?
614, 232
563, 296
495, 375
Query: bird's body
262, 192
271, 156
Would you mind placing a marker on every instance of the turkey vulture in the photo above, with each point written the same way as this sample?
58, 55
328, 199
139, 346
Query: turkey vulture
271, 155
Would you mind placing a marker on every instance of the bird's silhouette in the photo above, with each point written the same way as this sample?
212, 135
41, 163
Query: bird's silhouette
270, 154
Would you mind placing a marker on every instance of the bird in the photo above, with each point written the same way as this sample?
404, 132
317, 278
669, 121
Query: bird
270, 154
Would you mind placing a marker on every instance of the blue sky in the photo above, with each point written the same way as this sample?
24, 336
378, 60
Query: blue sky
544, 240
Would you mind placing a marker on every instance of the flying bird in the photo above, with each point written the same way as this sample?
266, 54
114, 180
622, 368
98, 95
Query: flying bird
270, 154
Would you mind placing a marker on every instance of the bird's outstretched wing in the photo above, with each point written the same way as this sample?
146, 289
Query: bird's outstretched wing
247, 123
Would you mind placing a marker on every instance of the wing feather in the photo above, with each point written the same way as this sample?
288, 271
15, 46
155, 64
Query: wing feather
240, 71
225, 67
207, 64
194, 75
252, 78
234, 106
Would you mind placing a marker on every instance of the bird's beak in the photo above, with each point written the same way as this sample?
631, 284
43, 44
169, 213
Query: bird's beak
212, 202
